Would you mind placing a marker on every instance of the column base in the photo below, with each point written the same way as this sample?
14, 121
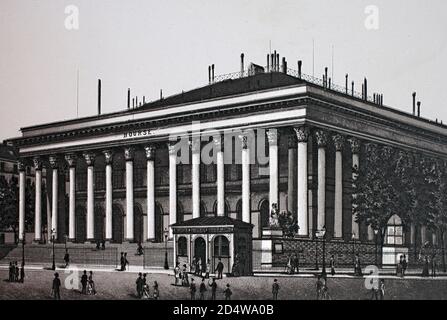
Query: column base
71, 240
37, 241
129, 241
90, 241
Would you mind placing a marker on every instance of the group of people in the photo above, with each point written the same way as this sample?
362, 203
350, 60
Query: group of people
203, 289
101, 245
199, 267
429, 264
87, 283
123, 261
16, 274
293, 264
143, 291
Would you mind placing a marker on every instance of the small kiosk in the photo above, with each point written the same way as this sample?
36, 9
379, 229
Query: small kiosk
213, 239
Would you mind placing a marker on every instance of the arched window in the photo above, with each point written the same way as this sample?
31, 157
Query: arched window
182, 247
221, 247
394, 231
226, 212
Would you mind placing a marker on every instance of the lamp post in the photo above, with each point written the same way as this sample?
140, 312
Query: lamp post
53, 233
23, 249
316, 250
376, 231
353, 247
323, 235
166, 266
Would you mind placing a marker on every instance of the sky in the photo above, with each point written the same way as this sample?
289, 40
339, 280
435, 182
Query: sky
152, 45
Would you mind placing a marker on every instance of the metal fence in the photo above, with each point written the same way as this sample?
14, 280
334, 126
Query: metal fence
155, 257
78, 256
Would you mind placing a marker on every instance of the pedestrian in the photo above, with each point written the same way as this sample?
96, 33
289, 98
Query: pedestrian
404, 265
193, 265
332, 265
177, 274
275, 289
289, 269
103, 245
425, 272
11, 272
434, 266
84, 280
213, 286
139, 284
66, 259
208, 268
56, 287
199, 267
16, 272
98, 245
185, 280
399, 267
296, 263
22, 273
192, 289
381, 289
227, 292
146, 292
126, 262
139, 249
91, 284
122, 262
156, 293
219, 269
202, 289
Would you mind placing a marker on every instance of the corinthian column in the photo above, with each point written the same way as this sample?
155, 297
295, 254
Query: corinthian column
38, 201
302, 135
108, 156
355, 149
54, 195
90, 160
220, 176
246, 214
172, 185
128, 155
22, 178
71, 161
273, 136
338, 205
291, 179
321, 137
195, 172
150, 158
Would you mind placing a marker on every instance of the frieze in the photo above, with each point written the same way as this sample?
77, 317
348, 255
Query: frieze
202, 230
136, 133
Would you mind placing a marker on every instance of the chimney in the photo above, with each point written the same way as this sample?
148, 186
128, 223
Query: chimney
136, 101
414, 103
283, 67
99, 96
363, 91
268, 62
128, 98
329, 83
325, 77
161, 92
272, 62
212, 72
144, 100
300, 63
366, 89
133, 102
352, 88
277, 62
242, 65
419, 108
209, 74
346, 83
374, 98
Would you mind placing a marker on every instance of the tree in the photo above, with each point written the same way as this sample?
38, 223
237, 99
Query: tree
9, 205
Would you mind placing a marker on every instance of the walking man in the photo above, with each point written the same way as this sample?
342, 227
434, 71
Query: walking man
213, 286
66, 259
202, 289
122, 262
227, 292
219, 269
296, 263
177, 273
275, 289
332, 265
192, 289
139, 284
56, 287
84, 281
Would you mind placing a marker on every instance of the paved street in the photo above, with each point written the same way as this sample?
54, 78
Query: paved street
121, 285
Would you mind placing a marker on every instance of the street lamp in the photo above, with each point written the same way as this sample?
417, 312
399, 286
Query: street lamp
322, 234
166, 266
316, 250
23, 249
53, 236
376, 231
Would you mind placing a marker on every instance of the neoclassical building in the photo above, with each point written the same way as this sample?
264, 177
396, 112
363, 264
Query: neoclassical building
117, 176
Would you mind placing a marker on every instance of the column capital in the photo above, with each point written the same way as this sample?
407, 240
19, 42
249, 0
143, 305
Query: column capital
355, 145
272, 136
244, 140
129, 153
21, 165
71, 159
339, 141
172, 149
322, 138
37, 162
89, 158
302, 133
108, 156
195, 144
218, 142
54, 161
150, 151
